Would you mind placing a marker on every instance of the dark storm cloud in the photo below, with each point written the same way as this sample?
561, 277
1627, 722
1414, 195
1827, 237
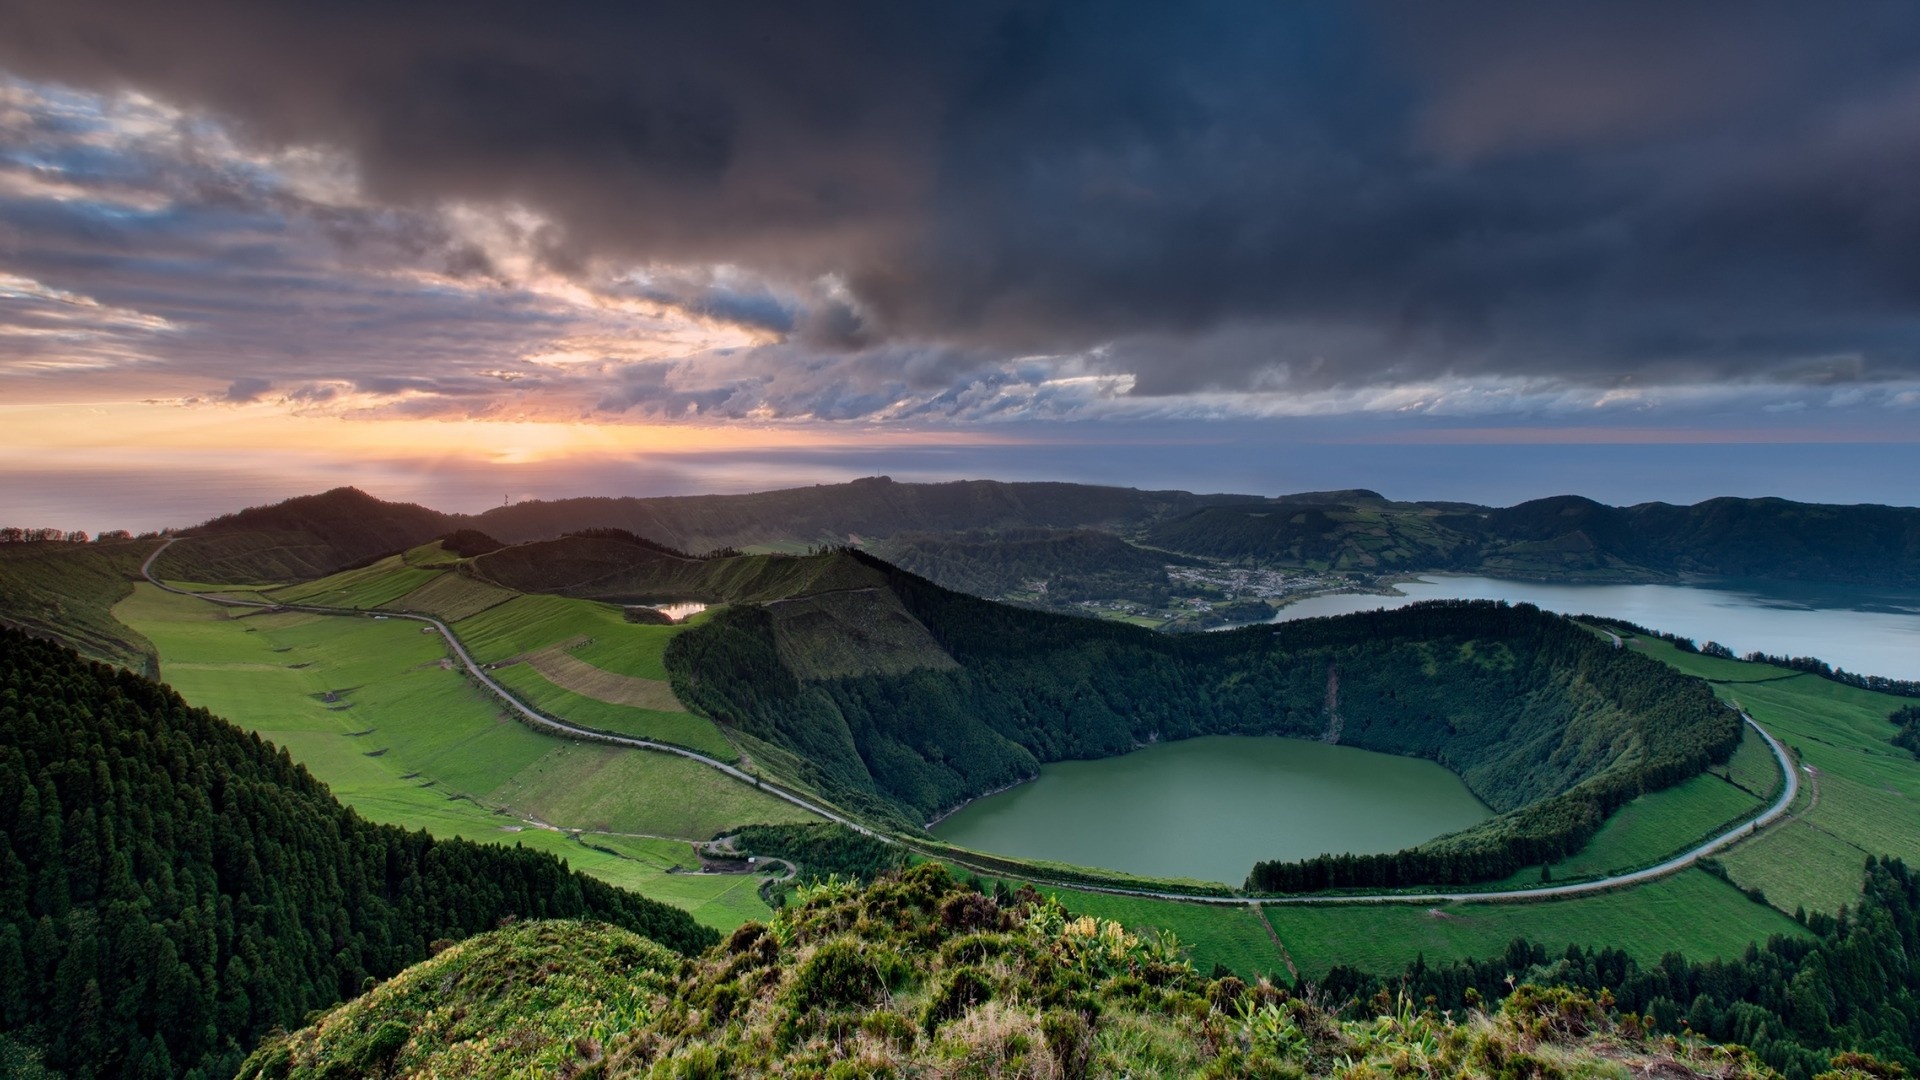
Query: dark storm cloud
1212, 196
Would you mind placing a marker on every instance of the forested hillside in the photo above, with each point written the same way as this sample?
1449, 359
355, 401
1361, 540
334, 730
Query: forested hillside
306, 537
1565, 537
839, 513
1544, 720
172, 887
1061, 564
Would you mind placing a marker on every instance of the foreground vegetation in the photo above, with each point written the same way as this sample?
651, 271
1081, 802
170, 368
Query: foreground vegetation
919, 975
172, 887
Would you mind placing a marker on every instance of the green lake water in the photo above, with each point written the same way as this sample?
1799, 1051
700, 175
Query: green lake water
1209, 808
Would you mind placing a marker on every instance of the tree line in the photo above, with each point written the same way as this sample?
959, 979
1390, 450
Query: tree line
172, 887
14, 534
1907, 733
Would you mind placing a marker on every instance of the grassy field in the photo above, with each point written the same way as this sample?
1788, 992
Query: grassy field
451, 596
535, 627
1753, 767
1661, 824
591, 786
563, 670
528, 623
1691, 912
1861, 797
373, 708
368, 587
678, 728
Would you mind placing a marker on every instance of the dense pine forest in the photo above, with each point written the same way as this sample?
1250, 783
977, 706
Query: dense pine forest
172, 887
1544, 720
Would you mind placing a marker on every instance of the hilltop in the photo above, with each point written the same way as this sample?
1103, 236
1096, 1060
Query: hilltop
920, 975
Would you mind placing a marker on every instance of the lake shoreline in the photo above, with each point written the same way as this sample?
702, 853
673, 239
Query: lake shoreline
1862, 629
970, 800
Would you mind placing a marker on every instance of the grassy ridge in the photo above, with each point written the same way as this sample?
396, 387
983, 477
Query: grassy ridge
453, 596
67, 591
383, 582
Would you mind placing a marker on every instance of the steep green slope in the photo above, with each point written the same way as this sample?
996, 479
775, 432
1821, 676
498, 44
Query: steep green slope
625, 571
172, 887
1544, 720
67, 592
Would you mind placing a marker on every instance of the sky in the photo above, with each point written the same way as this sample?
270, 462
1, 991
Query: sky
466, 252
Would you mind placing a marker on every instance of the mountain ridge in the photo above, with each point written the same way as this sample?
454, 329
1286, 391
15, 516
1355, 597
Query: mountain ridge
1563, 537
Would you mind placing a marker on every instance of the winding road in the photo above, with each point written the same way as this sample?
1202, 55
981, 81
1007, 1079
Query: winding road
1789, 791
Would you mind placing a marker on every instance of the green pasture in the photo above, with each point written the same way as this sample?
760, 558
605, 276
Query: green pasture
367, 587
373, 708
452, 596
1861, 798
1691, 912
591, 786
531, 622
679, 728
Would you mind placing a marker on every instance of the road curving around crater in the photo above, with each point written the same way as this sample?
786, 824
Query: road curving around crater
1790, 789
